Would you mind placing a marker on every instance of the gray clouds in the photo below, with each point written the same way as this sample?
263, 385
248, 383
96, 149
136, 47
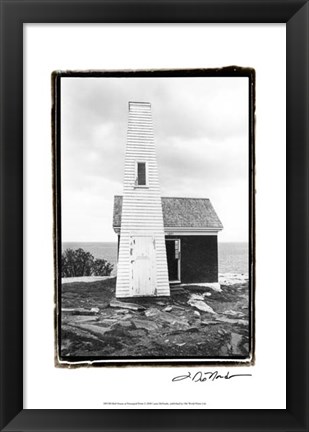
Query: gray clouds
201, 135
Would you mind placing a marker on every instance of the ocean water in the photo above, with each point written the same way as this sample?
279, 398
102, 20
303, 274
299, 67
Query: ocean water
233, 257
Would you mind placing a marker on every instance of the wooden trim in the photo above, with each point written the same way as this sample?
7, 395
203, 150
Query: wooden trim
136, 185
179, 261
178, 232
190, 233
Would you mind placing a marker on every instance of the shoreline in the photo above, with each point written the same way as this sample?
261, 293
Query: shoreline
224, 278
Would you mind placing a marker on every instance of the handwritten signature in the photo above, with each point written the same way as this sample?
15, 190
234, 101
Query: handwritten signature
207, 376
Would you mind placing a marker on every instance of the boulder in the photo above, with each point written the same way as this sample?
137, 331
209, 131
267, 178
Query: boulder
232, 321
192, 329
80, 311
235, 341
201, 305
143, 324
139, 333
224, 351
233, 313
196, 297
75, 332
209, 322
177, 323
124, 305
246, 347
82, 318
94, 329
124, 323
152, 312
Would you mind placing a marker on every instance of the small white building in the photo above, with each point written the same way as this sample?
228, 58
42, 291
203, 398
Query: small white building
161, 240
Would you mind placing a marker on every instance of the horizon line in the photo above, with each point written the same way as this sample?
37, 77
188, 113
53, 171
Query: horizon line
115, 241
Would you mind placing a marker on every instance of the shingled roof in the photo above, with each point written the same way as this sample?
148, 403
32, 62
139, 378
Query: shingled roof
180, 213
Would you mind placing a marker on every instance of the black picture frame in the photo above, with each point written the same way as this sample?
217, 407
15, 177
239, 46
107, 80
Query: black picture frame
13, 14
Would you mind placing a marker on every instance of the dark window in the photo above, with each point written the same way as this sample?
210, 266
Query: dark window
141, 173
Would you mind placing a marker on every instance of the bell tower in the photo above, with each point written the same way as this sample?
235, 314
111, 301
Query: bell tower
142, 265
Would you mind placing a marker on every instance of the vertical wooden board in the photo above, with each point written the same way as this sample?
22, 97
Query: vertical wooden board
132, 258
143, 264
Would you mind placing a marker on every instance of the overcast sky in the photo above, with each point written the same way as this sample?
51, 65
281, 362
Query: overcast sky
201, 137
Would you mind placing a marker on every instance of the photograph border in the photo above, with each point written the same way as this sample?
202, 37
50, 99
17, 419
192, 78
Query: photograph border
100, 361
13, 15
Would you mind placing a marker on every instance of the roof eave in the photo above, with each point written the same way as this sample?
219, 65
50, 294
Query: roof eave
191, 231
183, 230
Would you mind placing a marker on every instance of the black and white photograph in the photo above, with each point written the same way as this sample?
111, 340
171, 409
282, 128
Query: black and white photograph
154, 216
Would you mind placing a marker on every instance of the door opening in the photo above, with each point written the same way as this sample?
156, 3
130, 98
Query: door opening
173, 259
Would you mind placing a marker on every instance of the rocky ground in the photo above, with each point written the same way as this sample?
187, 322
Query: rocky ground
194, 322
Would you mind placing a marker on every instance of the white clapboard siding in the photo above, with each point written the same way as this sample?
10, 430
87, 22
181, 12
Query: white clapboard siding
141, 214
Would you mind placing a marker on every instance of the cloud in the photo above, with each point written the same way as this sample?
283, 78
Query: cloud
204, 107
201, 135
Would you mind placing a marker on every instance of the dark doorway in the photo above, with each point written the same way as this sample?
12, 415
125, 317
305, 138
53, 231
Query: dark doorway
173, 259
